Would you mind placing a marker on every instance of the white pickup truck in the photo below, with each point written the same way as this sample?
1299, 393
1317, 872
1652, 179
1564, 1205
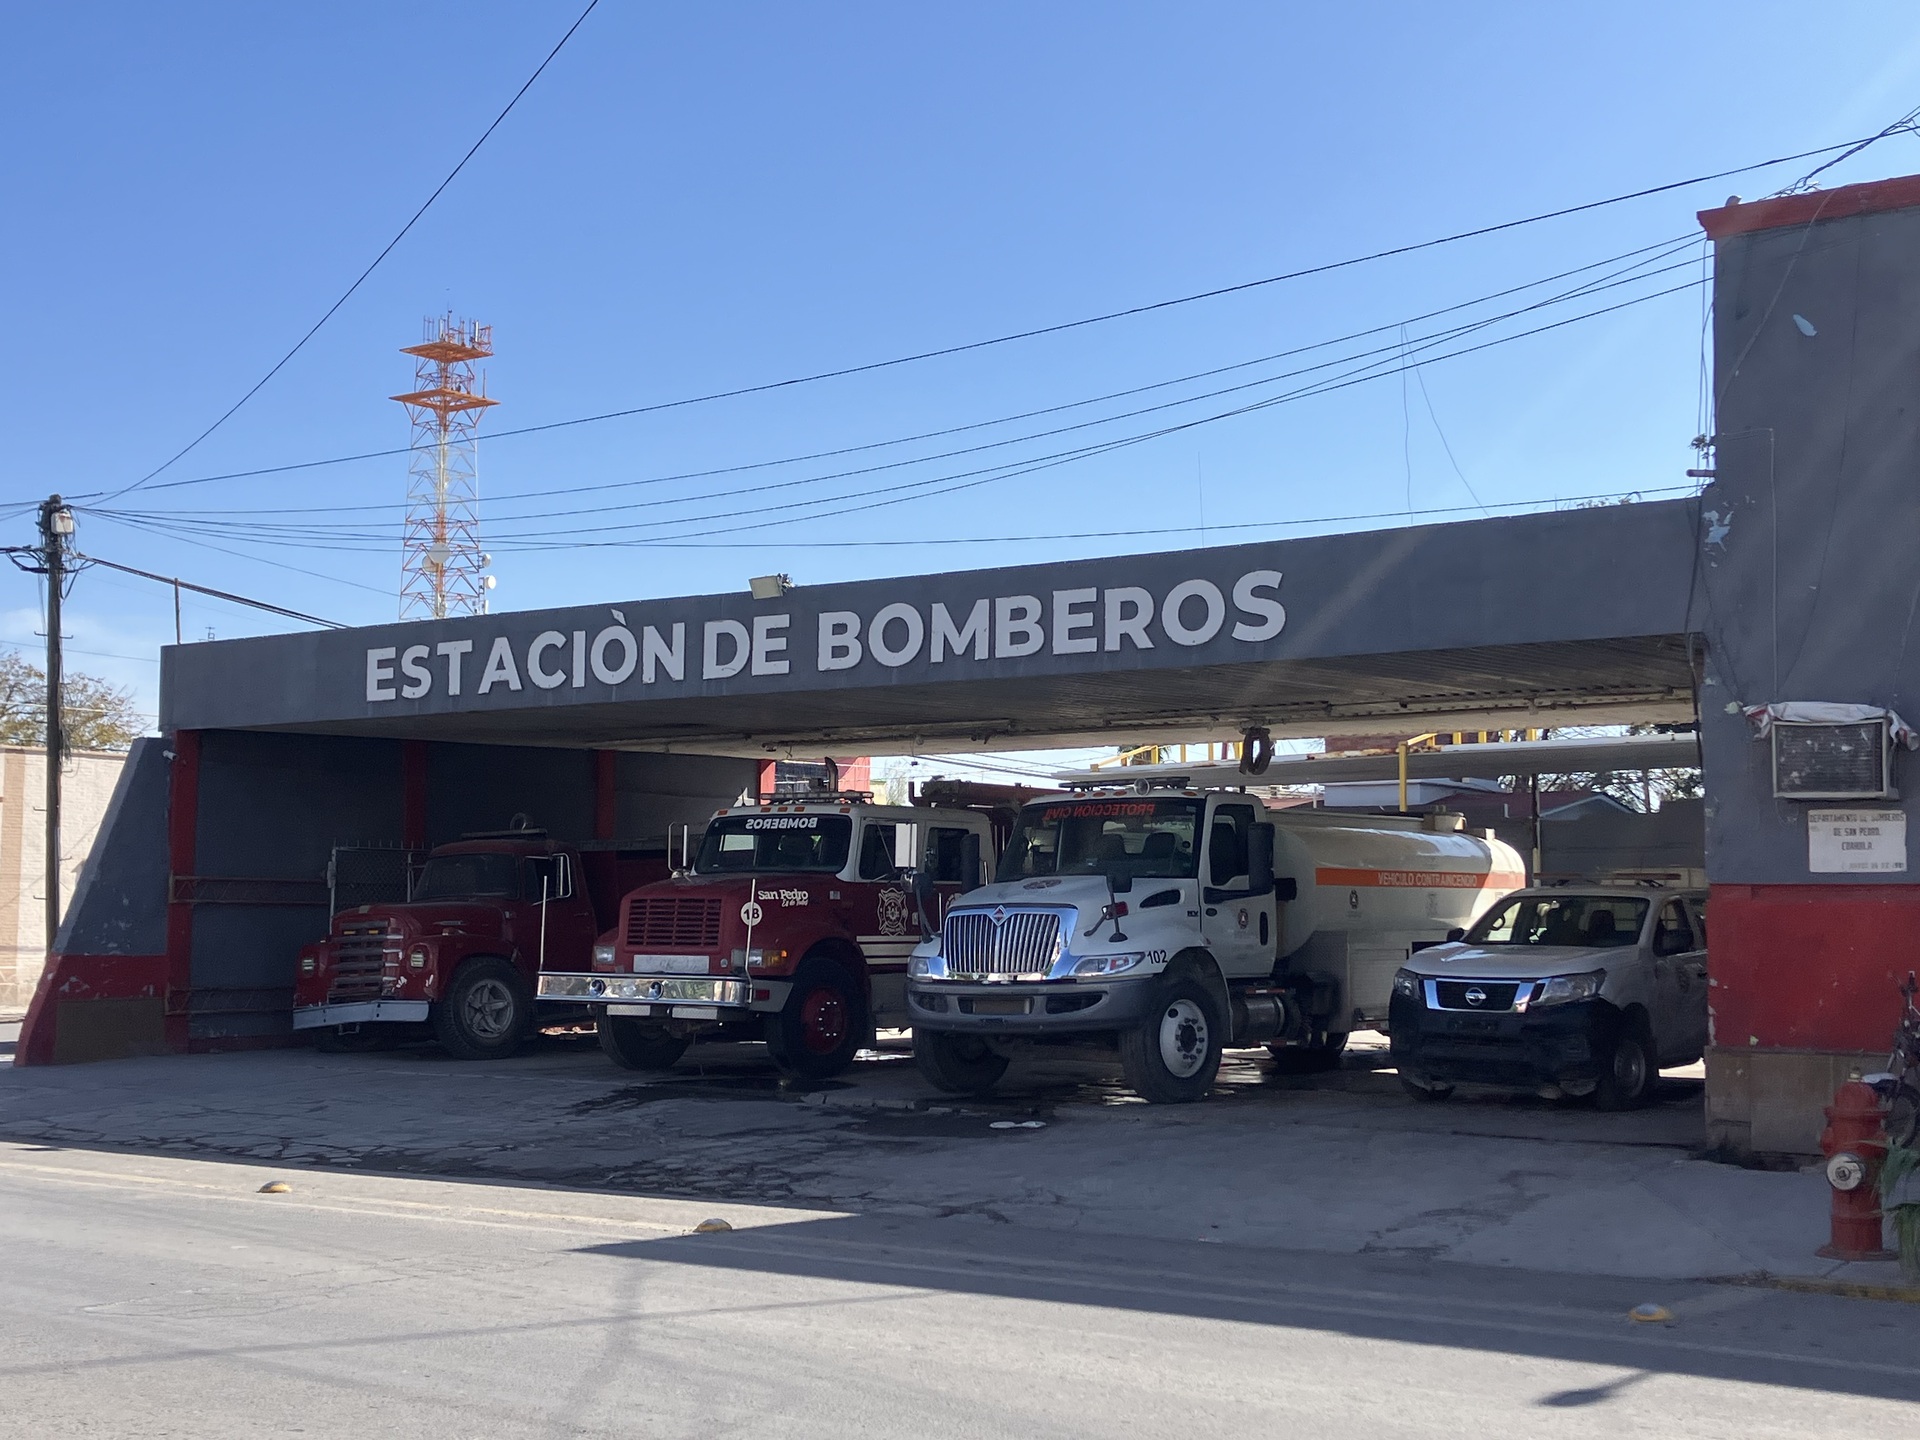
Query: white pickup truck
1565, 991
1173, 921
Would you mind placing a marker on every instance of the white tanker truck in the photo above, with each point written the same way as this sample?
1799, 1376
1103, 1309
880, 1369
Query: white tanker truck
1178, 920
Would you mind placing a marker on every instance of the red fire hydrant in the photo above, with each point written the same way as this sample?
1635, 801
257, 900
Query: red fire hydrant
1855, 1144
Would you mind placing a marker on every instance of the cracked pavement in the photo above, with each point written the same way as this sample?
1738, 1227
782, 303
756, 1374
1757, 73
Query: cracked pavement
1342, 1163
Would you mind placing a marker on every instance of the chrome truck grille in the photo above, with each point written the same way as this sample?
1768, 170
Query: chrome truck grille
359, 962
678, 922
1001, 941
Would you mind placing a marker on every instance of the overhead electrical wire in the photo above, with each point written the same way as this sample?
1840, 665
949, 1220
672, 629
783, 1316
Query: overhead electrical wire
1328, 267
966, 480
361, 279
253, 529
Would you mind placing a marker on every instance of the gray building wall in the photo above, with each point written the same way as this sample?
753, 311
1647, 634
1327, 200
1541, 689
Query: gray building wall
1808, 579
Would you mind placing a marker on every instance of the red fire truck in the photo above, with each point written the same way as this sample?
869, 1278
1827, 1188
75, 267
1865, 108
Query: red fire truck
461, 955
792, 925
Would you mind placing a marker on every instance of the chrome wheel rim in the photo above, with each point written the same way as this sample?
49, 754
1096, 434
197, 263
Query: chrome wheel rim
488, 1009
1183, 1039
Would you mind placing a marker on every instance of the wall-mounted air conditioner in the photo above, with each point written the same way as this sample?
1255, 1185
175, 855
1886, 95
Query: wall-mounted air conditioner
1852, 761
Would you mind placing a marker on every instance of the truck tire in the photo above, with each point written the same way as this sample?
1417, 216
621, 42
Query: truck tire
633, 1046
821, 1027
1315, 1059
1171, 1056
1628, 1069
957, 1064
485, 1013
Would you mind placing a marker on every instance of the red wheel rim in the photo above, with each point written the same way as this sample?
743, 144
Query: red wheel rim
823, 1020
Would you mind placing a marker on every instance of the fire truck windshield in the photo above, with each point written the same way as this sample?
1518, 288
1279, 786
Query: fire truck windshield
1150, 838
468, 877
774, 844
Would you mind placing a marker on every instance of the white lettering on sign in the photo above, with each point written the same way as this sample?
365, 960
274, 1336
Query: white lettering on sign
1841, 842
1086, 620
782, 822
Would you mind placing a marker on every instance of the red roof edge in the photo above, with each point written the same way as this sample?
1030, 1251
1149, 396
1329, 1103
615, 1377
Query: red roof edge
1871, 198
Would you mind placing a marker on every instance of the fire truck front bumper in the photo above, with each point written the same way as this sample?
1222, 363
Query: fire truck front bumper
360, 1012
668, 997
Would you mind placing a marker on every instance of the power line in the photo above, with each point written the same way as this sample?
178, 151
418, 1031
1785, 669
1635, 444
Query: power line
251, 530
347, 294
208, 590
1851, 146
1511, 505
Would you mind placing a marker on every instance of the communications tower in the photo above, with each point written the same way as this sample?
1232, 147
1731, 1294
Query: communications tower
441, 566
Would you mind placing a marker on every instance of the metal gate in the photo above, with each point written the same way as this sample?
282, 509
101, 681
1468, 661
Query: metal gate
370, 875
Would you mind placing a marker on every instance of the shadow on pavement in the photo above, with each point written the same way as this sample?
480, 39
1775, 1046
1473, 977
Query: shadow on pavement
1718, 1331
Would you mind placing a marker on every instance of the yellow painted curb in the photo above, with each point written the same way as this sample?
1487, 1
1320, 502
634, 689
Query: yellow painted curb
276, 1187
1852, 1289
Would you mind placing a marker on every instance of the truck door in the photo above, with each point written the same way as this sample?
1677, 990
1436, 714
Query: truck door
888, 928
1238, 927
569, 922
1679, 983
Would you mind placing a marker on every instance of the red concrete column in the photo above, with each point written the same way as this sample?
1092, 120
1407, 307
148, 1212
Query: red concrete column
767, 773
413, 794
183, 835
606, 794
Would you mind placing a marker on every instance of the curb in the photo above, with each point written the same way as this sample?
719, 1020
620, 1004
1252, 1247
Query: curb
1851, 1289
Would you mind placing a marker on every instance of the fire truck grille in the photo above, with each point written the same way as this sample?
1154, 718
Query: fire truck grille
677, 922
359, 963
1025, 942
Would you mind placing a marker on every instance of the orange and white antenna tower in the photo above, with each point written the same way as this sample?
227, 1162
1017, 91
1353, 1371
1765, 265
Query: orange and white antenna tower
442, 569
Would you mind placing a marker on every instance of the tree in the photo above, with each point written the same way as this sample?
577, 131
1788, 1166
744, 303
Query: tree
97, 715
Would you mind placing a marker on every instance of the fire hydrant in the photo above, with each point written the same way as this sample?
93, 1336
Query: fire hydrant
1855, 1144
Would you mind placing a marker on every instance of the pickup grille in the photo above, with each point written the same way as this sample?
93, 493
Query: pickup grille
359, 962
679, 922
1495, 995
1025, 942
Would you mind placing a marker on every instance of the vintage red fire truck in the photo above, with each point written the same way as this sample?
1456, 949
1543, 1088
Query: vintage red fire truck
793, 925
460, 957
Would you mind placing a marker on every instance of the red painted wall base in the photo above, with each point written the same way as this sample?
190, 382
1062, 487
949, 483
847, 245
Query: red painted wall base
1812, 967
68, 1021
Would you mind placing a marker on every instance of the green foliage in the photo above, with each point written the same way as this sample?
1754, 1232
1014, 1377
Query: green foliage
97, 715
1902, 1162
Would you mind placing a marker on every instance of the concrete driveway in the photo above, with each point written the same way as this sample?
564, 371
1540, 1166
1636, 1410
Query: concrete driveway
1342, 1163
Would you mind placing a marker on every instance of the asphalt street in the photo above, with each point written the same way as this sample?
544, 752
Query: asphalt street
151, 1296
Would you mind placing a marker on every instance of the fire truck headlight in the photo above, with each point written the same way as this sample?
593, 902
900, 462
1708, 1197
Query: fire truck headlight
418, 959
309, 964
1108, 964
603, 957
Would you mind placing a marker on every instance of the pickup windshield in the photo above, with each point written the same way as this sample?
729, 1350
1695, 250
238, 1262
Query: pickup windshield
468, 877
1584, 920
774, 844
1112, 837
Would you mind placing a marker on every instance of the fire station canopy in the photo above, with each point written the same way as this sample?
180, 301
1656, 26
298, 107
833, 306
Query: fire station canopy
1576, 616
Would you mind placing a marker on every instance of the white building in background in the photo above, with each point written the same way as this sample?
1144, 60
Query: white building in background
87, 787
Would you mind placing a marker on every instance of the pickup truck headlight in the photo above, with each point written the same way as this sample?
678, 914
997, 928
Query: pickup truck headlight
1108, 964
603, 957
1406, 984
417, 959
1564, 989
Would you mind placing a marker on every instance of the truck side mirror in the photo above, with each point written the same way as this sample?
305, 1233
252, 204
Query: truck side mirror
1286, 889
970, 860
1260, 858
923, 900
1457, 933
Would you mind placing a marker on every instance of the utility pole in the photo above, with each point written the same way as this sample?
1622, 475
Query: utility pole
56, 528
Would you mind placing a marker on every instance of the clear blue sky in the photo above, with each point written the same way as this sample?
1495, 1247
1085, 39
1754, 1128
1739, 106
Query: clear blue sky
695, 198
